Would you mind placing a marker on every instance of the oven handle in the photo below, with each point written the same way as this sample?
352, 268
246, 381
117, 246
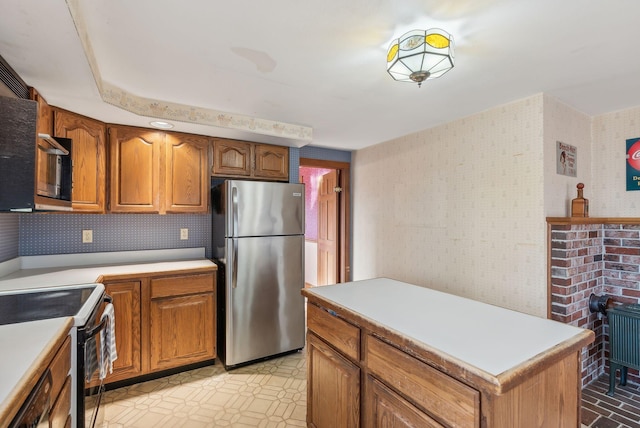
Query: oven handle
95, 330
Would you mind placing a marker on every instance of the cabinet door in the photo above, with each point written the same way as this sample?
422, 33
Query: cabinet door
333, 387
89, 159
271, 162
136, 158
231, 158
187, 176
385, 408
44, 125
126, 303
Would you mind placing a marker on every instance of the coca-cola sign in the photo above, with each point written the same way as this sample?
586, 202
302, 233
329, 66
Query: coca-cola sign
633, 164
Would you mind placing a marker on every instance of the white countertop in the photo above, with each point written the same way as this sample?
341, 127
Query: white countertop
74, 269
23, 346
488, 337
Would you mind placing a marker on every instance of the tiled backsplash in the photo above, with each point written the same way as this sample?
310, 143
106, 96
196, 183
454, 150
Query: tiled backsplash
598, 259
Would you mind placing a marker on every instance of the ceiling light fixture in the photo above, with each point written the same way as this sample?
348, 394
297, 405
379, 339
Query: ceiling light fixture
161, 124
420, 55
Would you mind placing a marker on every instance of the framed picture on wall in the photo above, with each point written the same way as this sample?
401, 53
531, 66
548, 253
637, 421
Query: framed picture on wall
566, 159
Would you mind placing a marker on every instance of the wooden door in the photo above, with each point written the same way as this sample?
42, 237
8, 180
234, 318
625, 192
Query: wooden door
328, 229
187, 175
136, 158
231, 158
89, 156
126, 303
333, 387
271, 162
181, 330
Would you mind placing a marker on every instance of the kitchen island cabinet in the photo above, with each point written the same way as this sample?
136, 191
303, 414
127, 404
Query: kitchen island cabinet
432, 359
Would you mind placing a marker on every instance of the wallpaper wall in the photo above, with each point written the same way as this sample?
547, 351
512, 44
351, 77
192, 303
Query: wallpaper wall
608, 196
458, 208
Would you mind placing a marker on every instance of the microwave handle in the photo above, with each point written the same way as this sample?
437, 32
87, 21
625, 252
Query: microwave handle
57, 148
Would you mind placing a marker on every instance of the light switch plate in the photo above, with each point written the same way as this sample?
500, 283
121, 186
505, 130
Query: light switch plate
184, 234
87, 236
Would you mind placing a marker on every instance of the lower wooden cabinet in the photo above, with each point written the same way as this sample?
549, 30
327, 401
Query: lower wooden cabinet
163, 321
182, 317
385, 408
59, 415
362, 374
333, 387
127, 299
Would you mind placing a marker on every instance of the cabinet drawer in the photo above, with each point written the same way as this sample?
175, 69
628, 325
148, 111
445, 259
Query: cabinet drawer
449, 401
182, 285
343, 336
60, 367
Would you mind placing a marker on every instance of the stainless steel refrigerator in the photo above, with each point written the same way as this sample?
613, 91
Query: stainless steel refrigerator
258, 244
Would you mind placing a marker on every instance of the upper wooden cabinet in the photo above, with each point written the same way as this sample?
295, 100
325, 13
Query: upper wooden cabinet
187, 178
89, 159
232, 158
157, 172
136, 160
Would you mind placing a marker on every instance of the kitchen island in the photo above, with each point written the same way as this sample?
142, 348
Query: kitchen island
384, 352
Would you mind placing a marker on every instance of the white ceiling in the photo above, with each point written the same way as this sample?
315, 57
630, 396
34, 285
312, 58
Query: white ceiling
321, 64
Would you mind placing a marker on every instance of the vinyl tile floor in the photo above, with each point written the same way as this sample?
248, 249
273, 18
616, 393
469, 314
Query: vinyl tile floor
268, 394
272, 394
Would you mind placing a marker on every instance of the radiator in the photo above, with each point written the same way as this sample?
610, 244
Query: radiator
624, 342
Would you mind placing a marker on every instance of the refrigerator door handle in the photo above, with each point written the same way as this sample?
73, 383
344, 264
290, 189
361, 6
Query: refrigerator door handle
234, 211
234, 269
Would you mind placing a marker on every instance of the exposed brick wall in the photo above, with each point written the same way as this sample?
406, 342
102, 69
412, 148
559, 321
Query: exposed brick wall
593, 258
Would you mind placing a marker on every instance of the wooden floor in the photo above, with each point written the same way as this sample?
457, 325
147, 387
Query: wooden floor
601, 411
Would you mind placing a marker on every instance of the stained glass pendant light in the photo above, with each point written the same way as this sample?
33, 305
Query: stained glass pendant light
420, 55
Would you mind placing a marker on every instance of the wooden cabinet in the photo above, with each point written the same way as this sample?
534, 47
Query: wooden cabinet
182, 317
89, 159
157, 172
233, 158
44, 125
385, 408
187, 178
60, 367
127, 298
163, 321
361, 373
135, 166
333, 387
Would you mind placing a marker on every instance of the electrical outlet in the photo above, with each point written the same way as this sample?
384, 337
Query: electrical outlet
184, 234
87, 236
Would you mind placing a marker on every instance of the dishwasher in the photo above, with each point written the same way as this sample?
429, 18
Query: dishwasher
34, 413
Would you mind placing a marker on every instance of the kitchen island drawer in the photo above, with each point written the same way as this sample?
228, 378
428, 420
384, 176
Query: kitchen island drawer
444, 398
182, 285
342, 335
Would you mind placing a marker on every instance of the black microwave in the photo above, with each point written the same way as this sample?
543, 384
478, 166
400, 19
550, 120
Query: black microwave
35, 169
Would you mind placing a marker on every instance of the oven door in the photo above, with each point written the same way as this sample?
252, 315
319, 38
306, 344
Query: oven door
89, 398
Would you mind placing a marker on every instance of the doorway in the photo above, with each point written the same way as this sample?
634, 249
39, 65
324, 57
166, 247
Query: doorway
327, 196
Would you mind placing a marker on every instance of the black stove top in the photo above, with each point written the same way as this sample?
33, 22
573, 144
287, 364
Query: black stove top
39, 305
